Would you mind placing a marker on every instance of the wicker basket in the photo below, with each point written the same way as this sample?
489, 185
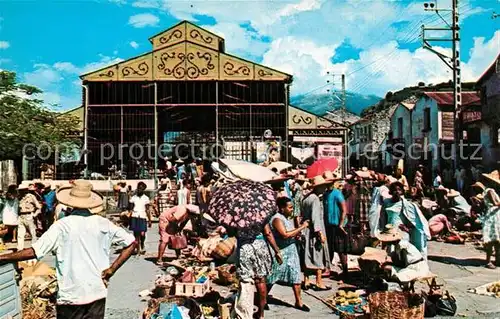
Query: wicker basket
395, 305
195, 311
224, 249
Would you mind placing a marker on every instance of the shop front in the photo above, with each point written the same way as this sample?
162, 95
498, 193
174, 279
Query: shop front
314, 137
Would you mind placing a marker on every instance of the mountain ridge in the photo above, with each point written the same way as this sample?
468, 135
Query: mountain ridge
320, 104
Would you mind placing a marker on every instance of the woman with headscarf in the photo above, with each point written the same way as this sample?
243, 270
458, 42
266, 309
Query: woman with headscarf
406, 216
316, 254
491, 221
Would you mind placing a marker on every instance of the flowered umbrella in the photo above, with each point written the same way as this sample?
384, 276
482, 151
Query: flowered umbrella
243, 205
321, 166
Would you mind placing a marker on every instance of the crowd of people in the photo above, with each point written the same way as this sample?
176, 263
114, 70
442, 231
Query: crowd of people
315, 218
27, 209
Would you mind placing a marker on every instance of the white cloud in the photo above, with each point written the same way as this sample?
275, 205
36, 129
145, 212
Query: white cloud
379, 69
43, 75
134, 44
143, 20
60, 81
4, 45
239, 40
147, 4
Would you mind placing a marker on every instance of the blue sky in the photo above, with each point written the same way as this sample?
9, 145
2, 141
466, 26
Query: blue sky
376, 42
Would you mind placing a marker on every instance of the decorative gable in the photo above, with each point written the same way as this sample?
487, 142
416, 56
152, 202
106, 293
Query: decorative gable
186, 52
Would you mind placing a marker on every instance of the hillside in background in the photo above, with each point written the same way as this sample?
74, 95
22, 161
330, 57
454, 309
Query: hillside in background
320, 103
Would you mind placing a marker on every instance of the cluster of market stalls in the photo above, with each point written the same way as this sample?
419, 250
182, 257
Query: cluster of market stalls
187, 99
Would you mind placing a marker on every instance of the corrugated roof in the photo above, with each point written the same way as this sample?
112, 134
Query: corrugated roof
446, 98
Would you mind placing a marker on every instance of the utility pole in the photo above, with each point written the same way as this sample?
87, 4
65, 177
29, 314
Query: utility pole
453, 63
338, 100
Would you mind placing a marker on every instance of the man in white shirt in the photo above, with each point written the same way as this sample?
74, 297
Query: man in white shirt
82, 243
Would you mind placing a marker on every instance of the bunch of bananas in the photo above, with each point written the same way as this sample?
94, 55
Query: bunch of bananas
207, 310
344, 298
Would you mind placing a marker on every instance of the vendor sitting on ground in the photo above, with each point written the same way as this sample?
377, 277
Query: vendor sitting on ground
406, 262
440, 225
171, 223
459, 206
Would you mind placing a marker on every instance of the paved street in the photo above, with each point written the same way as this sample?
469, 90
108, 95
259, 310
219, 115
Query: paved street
458, 267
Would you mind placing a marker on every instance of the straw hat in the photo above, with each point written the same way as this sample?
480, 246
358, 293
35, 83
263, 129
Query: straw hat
493, 176
479, 185
301, 178
23, 187
278, 179
390, 234
319, 181
80, 195
453, 193
179, 161
329, 176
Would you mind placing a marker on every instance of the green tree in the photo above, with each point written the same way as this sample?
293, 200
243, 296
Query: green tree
24, 119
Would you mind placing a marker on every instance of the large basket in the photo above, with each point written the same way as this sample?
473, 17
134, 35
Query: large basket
224, 249
195, 311
395, 305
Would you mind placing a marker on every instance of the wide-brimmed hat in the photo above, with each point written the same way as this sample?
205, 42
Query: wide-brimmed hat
479, 185
23, 187
80, 195
389, 234
301, 178
453, 193
179, 161
318, 181
493, 176
278, 179
330, 177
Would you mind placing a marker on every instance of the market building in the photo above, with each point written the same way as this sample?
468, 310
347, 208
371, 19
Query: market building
188, 98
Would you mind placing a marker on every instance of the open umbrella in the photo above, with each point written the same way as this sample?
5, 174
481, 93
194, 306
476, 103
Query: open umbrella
279, 166
248, 170
243, 205
321, 166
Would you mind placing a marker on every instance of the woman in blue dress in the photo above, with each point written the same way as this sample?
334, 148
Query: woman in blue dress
287, 273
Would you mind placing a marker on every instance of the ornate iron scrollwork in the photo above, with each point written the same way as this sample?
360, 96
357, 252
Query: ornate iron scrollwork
195, 34
179, 70
297, 119
264, 73
176, 34
107, 74
142, 69
230, 69
193, 70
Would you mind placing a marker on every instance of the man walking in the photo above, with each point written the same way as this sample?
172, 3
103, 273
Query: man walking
82, 243
336, 219
29, 208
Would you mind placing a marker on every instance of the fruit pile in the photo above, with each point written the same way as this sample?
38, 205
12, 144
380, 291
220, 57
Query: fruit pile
344, 298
